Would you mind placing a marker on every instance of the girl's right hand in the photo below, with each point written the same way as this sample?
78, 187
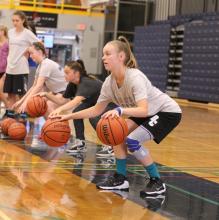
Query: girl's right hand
54, 113
42, 94
16, 104
61, 117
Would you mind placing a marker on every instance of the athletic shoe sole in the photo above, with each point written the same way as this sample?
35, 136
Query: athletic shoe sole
124, 186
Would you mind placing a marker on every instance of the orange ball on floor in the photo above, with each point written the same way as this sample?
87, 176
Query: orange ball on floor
6, 124
17, 131
112, 131
55, 133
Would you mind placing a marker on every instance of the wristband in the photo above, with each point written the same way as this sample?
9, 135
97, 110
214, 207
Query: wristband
119, 110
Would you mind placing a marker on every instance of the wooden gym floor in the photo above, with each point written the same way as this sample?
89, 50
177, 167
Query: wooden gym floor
38, 182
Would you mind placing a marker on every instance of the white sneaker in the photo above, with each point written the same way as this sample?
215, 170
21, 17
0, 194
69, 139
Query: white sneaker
106, 151
78, 146
106, 162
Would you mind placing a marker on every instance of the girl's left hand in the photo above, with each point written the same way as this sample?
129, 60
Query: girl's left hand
42, 94
112, 113
22, 108
62, 117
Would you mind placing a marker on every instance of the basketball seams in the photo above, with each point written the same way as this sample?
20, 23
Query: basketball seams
52, 136
41, 105
111, 131
102, 138
6, 123
20, 132
124, 134
57, 131
29, 110
54, 140
52, 122
35, 106
45, 107
38, 113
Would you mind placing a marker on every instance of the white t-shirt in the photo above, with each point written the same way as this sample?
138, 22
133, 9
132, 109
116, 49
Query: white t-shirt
55, 77
18, 44
136, 86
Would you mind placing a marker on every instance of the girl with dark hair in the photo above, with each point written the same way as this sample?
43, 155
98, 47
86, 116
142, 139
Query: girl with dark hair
49, 76
20, 38
152, 115
84, 92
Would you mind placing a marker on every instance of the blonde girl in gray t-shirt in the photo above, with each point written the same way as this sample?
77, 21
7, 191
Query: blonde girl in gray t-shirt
151, 115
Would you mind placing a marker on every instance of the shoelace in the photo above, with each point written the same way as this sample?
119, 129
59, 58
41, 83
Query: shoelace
105, 147
151, 182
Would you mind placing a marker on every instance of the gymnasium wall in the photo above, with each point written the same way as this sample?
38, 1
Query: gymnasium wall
165, 8
91, 46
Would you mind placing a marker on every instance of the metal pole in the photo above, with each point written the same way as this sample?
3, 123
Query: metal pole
116, 20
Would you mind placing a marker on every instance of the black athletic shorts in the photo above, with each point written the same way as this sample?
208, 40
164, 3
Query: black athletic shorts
1, 74
160, 125
16, 84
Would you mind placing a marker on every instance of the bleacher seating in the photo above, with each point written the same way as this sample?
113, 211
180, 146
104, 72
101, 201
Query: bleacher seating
151, 48
197, 55
200, 67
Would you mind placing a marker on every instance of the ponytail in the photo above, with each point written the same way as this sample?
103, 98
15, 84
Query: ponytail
122, 44
130, 58
78, 66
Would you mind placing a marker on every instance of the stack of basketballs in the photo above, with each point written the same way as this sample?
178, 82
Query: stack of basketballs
54, 133
15, 130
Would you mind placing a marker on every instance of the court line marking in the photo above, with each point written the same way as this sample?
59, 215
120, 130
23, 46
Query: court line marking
184, 191
176, 188
4, 216
26, 213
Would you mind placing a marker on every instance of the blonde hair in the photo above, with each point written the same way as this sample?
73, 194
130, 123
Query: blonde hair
122, 44
5, 30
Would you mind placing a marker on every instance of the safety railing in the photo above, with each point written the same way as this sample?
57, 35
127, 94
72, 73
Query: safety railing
52, 6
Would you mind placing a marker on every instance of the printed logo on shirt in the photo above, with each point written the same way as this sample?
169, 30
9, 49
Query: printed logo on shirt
153, 120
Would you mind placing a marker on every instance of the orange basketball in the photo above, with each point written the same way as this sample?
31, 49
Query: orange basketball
36, 106
17, 131
112, 131
6, 124
55, 133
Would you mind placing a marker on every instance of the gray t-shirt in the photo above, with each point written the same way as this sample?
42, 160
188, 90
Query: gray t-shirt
136, 87
55, 78
18, 44
90, 89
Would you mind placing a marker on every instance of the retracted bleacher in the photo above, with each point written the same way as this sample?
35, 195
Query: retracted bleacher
151, 48
200, 66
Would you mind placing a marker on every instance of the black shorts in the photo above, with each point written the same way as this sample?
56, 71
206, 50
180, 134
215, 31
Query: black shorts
160, 125
16, 84
1, 74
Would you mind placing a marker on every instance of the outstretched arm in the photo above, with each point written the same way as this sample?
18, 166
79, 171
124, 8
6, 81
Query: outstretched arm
37, 87
69, 105
60, 100
86, 113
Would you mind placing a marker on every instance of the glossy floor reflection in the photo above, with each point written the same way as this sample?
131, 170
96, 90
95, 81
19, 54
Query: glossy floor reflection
39, 182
